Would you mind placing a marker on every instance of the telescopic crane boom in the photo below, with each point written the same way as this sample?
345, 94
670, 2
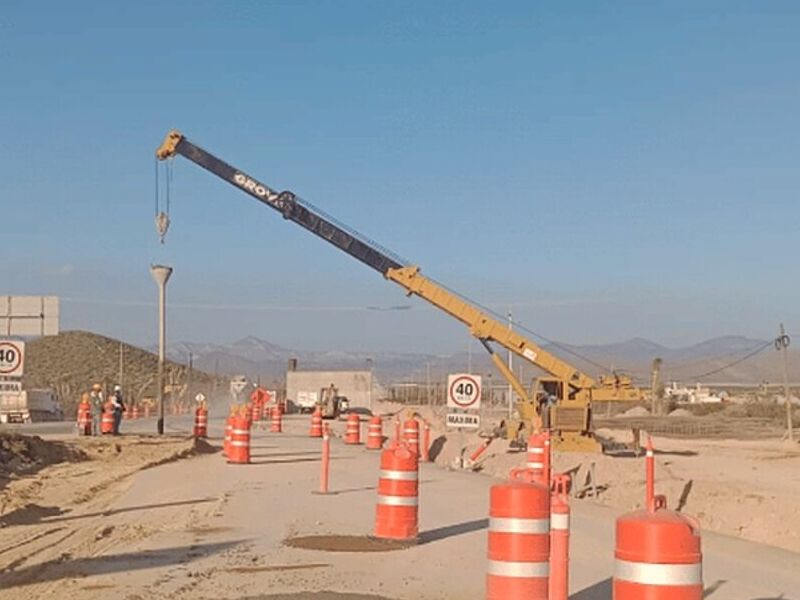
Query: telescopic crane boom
574, 391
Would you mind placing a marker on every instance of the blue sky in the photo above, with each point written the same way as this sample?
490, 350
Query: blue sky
609, 170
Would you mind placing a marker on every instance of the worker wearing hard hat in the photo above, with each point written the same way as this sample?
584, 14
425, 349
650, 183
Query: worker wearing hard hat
119, 407
96, 406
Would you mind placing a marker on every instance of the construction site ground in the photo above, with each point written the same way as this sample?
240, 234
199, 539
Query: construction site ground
138, 517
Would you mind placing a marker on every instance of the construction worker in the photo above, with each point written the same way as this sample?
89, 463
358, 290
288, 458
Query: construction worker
119, 407
96, 406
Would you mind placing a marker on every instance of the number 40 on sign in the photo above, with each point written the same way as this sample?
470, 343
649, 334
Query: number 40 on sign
464, 391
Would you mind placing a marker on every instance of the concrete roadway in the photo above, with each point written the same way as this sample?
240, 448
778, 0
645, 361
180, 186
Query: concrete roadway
216, 530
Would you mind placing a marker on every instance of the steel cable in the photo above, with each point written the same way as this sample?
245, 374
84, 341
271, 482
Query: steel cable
747, 356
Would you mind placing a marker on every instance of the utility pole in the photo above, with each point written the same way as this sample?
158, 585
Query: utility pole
782, 345
216, 377
189, 381
655, 405
428, 383
371, 382
510, 368
121, 369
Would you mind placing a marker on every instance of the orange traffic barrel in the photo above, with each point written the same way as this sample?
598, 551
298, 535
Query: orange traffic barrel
226, 445
538, 445
84, 419
657, 552
396, 513
276, 422
353, 432
255, 411
519, 539
426, 443
107, 420
239, 446
559, 538
658, 556
375, 433
135, 411
316, 424
411, 434
201, 423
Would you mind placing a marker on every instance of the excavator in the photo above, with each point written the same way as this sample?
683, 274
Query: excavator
561, 401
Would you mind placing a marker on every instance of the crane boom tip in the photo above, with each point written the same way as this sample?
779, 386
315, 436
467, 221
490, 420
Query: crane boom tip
167, 148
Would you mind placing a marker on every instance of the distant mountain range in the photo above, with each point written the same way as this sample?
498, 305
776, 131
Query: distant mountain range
715, 360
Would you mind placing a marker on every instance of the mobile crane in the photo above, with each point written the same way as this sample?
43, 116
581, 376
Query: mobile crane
570, 418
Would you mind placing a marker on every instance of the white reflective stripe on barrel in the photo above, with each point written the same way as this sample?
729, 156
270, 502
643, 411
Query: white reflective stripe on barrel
559, 520
516, 525
239, 444
658, 574
518, 569
535, 450
398, 500
374, 434
535, 465
240, 431
399, 475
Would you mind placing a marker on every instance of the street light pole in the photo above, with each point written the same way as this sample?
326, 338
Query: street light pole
161, 275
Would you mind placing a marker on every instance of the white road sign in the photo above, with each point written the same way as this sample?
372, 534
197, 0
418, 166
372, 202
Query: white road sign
463, 420
12, 358
464, 391
28, 315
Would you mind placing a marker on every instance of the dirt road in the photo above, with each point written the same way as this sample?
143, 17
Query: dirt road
199, 528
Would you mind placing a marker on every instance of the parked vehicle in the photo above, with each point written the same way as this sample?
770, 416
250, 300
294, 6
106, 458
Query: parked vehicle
28, 406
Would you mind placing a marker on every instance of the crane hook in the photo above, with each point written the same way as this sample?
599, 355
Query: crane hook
162, 225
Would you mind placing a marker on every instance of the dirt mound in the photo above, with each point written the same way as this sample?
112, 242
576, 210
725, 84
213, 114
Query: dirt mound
636, 411
24, 453
73, 360
680, 412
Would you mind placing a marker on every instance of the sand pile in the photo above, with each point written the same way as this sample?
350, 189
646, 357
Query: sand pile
24, 453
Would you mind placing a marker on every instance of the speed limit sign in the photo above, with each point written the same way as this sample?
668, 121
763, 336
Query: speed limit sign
464, 391
12, 358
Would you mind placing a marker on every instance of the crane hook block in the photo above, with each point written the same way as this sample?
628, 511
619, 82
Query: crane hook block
162, 225
167, 148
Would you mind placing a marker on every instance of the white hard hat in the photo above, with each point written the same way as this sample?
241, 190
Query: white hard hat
117, 388
200, 397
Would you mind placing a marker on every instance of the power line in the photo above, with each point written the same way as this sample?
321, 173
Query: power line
519, 325
747, 356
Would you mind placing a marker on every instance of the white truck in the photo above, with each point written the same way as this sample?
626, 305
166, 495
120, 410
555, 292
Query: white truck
306, 401
28, 406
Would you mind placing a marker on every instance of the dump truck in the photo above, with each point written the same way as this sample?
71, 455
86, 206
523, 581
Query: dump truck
18, 405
